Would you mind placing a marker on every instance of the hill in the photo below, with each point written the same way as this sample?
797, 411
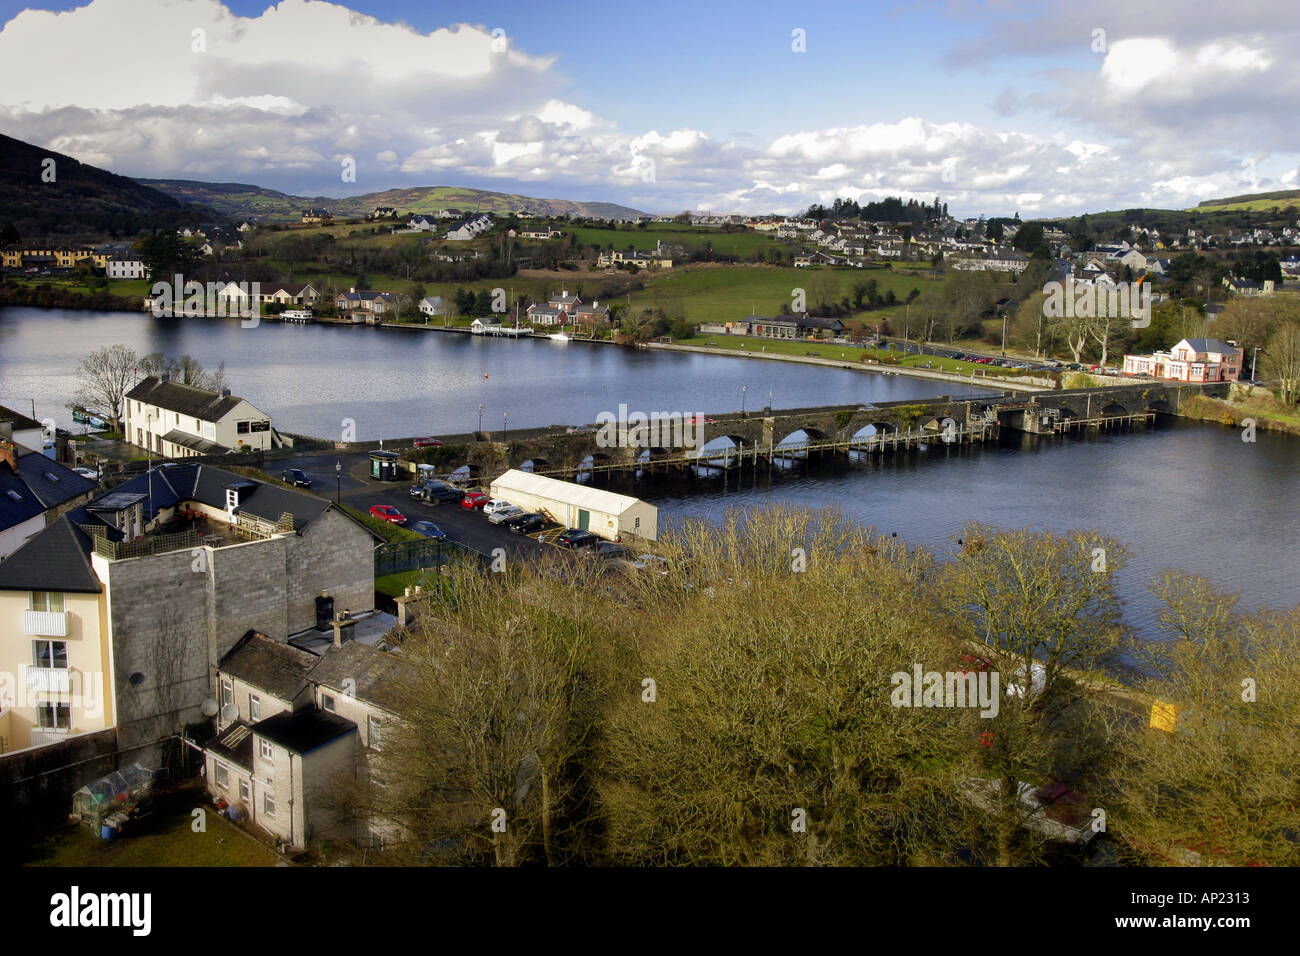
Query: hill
76, 199
243, 201
1255, 202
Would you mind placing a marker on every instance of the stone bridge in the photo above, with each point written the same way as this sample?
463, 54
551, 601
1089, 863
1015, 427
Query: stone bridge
561, 450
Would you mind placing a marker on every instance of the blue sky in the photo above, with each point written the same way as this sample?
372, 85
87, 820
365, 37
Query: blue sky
999, 107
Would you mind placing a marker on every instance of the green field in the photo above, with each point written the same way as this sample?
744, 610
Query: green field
740, 244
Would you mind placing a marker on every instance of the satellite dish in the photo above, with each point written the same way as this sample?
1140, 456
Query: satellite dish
230, 712
210, 708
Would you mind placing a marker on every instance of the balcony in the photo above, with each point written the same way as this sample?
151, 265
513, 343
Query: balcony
49, 680
45, 623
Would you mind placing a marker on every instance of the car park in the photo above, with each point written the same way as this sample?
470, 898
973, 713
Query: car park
525, 523
387, 513
474, 500
429, 530
296, 477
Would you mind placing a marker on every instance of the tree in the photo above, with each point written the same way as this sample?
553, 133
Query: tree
165, 254
104, 377
823, 287
1030, 326
184, 370
1282, 362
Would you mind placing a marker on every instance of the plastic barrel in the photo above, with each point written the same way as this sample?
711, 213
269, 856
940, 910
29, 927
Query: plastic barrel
106, 832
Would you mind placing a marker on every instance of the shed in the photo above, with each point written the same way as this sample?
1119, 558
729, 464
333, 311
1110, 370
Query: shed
601, 512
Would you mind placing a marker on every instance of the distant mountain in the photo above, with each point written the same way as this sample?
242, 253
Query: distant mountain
242, 201
71, 198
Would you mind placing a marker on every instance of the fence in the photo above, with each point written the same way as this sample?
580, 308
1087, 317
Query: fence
399, 556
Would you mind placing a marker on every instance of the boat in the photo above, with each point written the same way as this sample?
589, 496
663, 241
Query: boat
296, 315
559, 337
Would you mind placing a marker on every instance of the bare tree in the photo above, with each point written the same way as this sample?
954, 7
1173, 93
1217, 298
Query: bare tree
104, 377
1282, 361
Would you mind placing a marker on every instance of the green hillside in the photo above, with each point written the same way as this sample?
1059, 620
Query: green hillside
1257, 202
243, 201
71, 198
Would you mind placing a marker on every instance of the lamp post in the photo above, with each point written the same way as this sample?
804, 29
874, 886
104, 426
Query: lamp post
505, 425
743, 390
338, 482
480, 417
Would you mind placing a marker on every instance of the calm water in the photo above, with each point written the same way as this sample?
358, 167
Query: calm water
1186, 495
400, 384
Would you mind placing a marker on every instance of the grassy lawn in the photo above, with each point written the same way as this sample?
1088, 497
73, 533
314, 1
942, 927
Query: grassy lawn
164, 839
395, 585
386, 530
848, 353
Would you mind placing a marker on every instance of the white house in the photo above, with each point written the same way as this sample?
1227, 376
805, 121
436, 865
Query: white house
125, 267
181, 421
432, 305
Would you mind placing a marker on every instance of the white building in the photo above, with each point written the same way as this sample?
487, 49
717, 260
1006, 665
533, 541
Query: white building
181, 421
125, 267
601, 512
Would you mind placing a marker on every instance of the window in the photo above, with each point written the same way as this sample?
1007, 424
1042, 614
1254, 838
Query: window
47, 601
50, 653
327, 702
254, 707
221, 774
241, 428
376, 725
266, 749
268, 803
243, 790
227, 693
53, 716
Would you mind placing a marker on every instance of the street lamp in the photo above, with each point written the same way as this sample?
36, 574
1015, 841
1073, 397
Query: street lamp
743, 390
338, 482
505, 426
480, 417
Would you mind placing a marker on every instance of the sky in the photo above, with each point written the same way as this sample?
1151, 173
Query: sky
1000, 107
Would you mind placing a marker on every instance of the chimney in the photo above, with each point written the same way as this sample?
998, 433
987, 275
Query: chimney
352, 288
165, 377
343, 628
9, 454
225, 393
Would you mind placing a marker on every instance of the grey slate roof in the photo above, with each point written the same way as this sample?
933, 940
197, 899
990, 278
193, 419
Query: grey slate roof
194, 442
40, 483
378, 674
186, 399
56, 559
20, 421
1211, 345
268, 665
305, 730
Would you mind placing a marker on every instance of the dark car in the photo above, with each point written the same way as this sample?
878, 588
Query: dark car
296, 477
433, 492
429, 530
526, 523
576, 538
608, 550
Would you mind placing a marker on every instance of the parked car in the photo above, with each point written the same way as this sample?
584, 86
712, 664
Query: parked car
526, 523
607, 550
387, 513
497, 504
502, 515
89, 473
433, 492
429, 530
473, 500
296, 477
427, 443
576, 538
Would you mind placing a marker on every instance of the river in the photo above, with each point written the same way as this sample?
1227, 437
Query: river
1186, 495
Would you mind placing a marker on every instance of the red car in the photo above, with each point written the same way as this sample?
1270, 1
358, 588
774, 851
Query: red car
474, 500
427, 443
387, 513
